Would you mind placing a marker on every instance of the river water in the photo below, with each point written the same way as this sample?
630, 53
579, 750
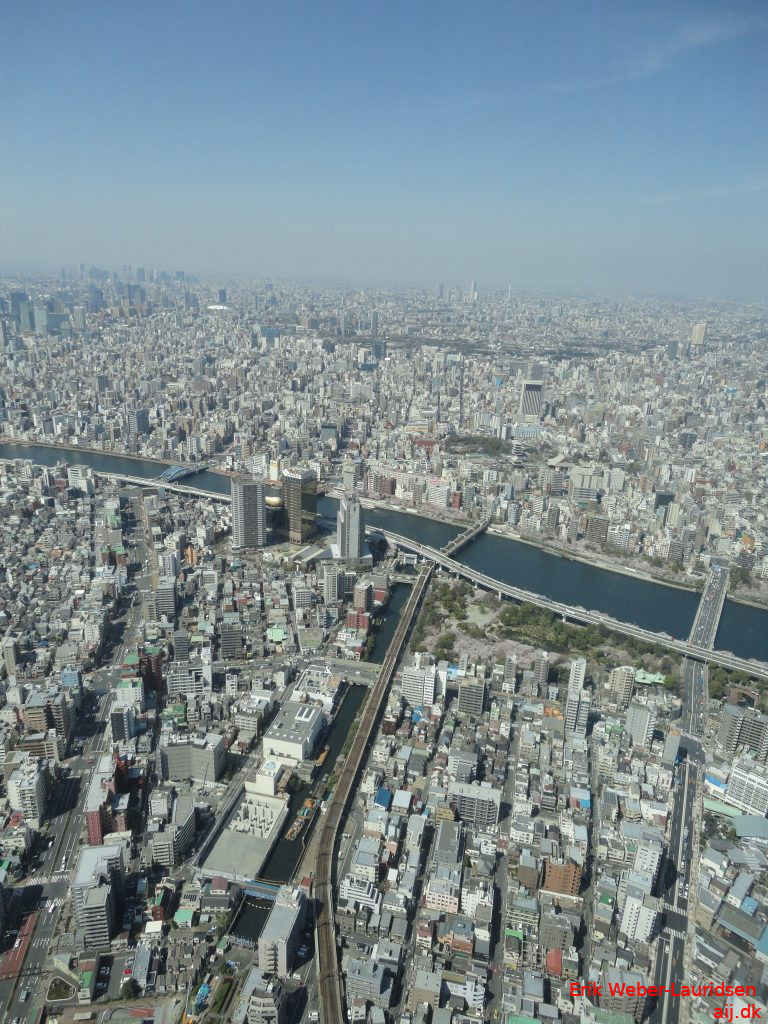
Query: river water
743, 629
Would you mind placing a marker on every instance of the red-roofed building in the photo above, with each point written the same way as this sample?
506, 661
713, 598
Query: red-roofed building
554, 963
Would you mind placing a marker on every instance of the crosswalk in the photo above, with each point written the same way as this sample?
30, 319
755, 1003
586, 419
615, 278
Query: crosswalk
42, 941
59, 876
675, 933
675, 908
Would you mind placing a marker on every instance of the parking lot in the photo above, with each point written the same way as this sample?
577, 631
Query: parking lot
111, 975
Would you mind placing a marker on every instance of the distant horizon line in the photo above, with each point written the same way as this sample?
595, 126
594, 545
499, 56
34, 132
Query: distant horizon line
249, 279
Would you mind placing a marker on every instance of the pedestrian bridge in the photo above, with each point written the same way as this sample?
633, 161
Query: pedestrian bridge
261, 889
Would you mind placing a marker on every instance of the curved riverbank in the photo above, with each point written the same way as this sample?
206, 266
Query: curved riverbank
77, 448
644, 599
589, 558
600, 562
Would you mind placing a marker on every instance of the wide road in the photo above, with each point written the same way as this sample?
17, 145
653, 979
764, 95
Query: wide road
676, 880
328, 973
676, 868
49, 887
675, 886
703, 633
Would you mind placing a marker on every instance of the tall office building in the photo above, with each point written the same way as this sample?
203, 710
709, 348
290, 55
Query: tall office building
744, 727
300, 499
10, 650
27, 790
698, 334
97, 888
418, 685
169, 845
476, 802
350, 529
122, 721
181, 645
748, 787
578, 700
510, 673
531, 398
541, 672
471, 696
231, 641
138, 421
619, 992
281, 936
648, 854
249, 513
165, 597
638, 919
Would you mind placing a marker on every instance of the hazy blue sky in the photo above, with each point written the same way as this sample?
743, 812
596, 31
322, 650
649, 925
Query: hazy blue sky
563, 145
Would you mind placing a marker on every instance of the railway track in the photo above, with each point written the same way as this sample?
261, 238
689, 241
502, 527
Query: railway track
328, 973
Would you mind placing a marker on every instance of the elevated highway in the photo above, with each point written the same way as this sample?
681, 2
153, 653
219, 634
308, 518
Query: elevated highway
328, 973
703, 633
180, 488
701, 652
698, 647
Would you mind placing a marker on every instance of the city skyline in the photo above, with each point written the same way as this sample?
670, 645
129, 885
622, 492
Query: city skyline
410, 604
384, 534
594, 151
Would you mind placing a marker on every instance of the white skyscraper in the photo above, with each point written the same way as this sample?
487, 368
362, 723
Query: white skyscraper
648, 856
350, 529
698, 334
748, 787
333, 584
638, 919
578, 701
249, 514
419, 685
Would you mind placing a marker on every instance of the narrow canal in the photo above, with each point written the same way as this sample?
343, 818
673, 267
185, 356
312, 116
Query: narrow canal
282, 862
285, 856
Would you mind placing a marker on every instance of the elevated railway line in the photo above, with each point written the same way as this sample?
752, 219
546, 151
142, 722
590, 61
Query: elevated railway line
328, 974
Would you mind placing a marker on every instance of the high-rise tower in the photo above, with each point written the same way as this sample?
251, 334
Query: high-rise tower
249, 514
350, 528
300, 498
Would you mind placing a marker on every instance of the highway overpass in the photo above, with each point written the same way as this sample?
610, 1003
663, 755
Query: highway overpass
703, 633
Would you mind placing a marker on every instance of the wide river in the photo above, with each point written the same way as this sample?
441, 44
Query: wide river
743, 629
